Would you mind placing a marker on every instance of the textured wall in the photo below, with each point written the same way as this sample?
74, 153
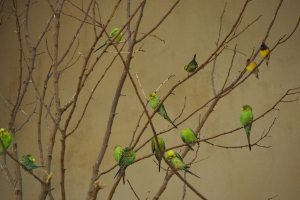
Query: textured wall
191, 28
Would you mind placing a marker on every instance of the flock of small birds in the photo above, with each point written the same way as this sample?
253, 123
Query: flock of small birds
126, 156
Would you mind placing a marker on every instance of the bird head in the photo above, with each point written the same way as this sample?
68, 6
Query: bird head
31, 158
185, 68
117, 146
3, 132
246, 108
248, 61
115, 30
262, 44
170, 154
152, 95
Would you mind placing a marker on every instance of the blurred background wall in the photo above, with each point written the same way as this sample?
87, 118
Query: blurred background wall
191, 28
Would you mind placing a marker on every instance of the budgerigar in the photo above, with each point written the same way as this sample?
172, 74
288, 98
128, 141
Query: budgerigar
250, 66
154, 101
126, 157
155, 149
246, 117
117, 150
192, 66
28, 162
6, 139
111, 35
264, 51
188, 135
176, 161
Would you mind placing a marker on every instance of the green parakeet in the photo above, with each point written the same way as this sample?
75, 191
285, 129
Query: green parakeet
192, 66
188, 135
28, 162
246, 117
117, 150
126, 157
176, 161
154, 101
111, 35
6, 139
155, 149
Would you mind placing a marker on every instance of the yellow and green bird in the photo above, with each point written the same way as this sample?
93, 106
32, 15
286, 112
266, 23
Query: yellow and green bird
154, 101
126, 157
264, 51
154, 148
111, 35
177, 162
28, 162
6, 139
250, 66
188, 135
246, 117
192, 66
117, 150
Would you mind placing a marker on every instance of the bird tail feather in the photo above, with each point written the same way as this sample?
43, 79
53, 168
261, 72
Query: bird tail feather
100, 47
190, 147
191, 173
171, 122
248, 138
118, 172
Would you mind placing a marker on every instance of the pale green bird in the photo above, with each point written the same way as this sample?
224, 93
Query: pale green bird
192, 66
155, 149
6, 139
188, 135
28, 162
117, 150
111, 35
246, 117
126, 157
176, 161
154, 101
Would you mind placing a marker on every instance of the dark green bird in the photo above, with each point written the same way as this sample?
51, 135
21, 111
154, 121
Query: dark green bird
246, 117
188, 135
192, 66
28, 162
111, 35
154, 101
126, 157
154, 148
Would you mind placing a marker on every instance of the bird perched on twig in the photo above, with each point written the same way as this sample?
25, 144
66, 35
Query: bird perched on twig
250, 66
117, 151
264, 51
111, 35
188, 135
192, 66
126, 157
246, 117
28, 162
154, 101
154, 148
176, 161
6, 139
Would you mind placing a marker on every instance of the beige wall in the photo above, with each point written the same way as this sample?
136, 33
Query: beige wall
191, 28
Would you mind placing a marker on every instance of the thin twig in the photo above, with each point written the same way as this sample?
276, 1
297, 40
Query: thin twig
132, 189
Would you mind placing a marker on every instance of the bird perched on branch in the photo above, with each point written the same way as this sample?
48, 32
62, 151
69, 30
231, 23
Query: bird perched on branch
250, 66
6, 139
154, 101
117, 151
246, 117
188, 135
192, 66
176, 161
28, 162
264, 51
111, 35
155, 149
126, 157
